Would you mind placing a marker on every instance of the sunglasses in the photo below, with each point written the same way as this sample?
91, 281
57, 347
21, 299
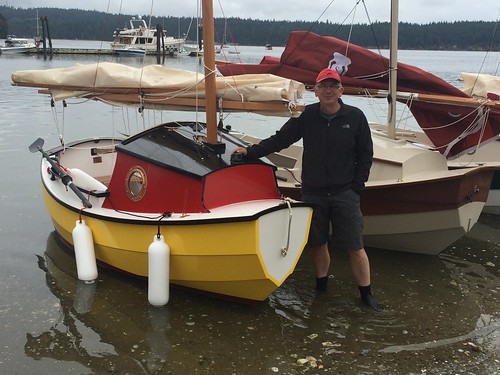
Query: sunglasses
328, 86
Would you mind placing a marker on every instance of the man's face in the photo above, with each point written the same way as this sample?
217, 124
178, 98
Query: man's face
328, 90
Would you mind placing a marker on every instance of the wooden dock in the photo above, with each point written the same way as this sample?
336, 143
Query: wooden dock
76, 51
85, 51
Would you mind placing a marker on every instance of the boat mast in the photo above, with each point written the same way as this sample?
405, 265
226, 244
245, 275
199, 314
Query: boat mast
393, 72
209, 62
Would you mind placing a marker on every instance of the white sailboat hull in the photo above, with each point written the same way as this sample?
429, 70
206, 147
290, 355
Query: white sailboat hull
412, 202
420, 232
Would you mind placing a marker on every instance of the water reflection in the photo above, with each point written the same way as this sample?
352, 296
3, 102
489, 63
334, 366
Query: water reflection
442, 317
90, 329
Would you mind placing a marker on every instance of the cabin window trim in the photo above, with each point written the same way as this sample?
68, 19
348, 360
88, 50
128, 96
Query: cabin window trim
136, 183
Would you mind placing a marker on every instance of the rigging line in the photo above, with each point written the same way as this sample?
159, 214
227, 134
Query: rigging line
126, 119
353, 10
103, 31
345, 18
405, 115
159, 216
373, 31
197, 70
235, 86
481, 121
56, 119
308, 31
102, 39
475, 113
447, 146
350, 31
143, 62
487, 52
498, 20
151, 13
226, 28
483, 117
373, 104
373, 75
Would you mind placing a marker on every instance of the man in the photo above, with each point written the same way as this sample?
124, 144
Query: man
337, 158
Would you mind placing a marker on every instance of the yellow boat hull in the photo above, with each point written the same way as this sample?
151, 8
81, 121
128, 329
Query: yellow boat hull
239, 259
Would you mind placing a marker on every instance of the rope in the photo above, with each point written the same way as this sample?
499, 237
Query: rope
284, 250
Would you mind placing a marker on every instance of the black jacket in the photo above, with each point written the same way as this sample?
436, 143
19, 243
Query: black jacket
337, 153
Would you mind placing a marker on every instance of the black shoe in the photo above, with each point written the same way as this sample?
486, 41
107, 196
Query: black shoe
369, 300
322, 284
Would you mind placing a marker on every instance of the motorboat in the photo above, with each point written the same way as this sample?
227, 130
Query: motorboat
140, 35
128, 51
17, 45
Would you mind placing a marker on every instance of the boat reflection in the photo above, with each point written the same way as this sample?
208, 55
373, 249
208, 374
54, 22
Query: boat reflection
94, 328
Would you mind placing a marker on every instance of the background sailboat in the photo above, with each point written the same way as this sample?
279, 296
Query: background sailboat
412, 201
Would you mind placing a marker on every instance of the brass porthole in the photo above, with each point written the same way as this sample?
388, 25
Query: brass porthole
136, 183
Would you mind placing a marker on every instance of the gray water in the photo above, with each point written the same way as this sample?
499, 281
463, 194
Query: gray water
442, 312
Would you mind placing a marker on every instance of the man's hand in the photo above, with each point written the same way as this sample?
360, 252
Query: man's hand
240, 150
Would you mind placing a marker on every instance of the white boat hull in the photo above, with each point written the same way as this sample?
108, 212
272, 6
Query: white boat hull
420, 232
16, 50
130, 52
412, 201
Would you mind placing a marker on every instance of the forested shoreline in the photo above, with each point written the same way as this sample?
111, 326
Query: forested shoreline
94, 25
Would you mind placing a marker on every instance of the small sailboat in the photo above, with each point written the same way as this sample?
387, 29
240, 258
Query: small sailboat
223, 226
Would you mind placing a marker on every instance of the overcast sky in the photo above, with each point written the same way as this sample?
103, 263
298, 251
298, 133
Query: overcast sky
416, 11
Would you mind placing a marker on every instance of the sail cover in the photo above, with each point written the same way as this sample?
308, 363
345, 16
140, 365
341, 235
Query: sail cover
454, 121
155, 84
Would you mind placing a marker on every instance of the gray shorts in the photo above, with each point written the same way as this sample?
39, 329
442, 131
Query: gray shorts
340, 210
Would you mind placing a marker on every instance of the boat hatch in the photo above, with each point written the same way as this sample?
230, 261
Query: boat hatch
173, 146
164, 169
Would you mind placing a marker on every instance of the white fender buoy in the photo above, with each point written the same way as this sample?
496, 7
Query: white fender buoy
86, 266
85, 181
158, 271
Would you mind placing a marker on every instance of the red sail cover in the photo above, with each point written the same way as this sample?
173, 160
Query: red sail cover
454, 129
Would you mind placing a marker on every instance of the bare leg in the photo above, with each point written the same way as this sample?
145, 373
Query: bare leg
360, 266
321, 260
321, 264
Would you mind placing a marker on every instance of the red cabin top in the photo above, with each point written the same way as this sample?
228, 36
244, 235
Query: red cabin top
165, 169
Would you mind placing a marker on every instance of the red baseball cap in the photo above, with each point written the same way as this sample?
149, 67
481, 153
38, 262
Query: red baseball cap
327, 74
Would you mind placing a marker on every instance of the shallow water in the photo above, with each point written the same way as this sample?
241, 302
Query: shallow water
442, 312
442, 317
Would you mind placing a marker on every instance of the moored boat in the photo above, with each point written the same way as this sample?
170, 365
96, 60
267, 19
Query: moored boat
138, 52
228, 229
403, 202
196, 50
140, 35
412, 201
14, 45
